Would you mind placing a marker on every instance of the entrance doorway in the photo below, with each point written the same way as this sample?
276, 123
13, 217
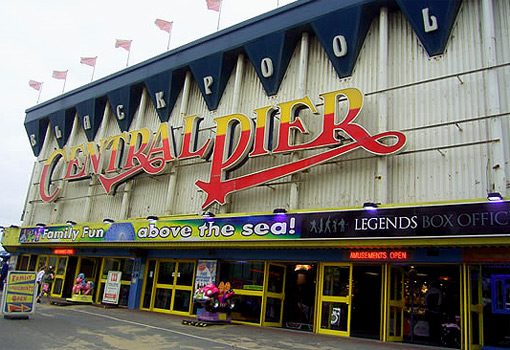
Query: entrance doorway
299, 310
366, 301
168, 286
432, 305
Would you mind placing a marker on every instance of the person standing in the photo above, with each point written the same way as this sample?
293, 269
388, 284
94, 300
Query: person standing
47, 281
38, 279
4, 271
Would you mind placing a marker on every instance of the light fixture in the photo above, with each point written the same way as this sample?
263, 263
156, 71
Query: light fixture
494, 197
108, 221
279, 210
40, 224
370, 205
208, 214
152, 218
70, 222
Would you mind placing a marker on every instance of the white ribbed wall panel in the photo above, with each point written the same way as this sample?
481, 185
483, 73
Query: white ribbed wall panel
439, 103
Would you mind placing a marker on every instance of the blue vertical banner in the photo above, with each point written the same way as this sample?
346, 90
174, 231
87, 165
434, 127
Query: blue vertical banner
163, 89
62, 124
341, 34
91, 113
36, 130
124, 102
270, 57
211, 74
432, 21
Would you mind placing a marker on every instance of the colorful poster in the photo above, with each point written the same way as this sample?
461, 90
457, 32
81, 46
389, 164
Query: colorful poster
206, 273
19, 293
112, 287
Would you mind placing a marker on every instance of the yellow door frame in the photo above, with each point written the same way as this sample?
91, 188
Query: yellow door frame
472, 308
174, 286
183, 287
102, 280
394, 304
144, 284
55, 268
268, 294
98, 264
333, 299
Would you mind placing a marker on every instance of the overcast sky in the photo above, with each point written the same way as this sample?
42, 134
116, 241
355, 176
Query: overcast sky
38, 37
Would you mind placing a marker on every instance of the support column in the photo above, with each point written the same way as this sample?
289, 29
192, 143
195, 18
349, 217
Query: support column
172, 182
381, 177
128, 189
135, 290
93, 180
238, 80
55, 214
496, 174
302, 83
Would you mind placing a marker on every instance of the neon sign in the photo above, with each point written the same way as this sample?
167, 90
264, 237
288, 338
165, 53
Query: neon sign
393, 255
63, 251
118, 158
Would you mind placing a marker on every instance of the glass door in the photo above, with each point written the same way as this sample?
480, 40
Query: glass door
169, 286
59, 265
274, 295
149, 285
394, 324
335, 299
183, 288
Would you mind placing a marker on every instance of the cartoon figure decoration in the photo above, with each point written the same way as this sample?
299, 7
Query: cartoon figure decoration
215, 299
82, 286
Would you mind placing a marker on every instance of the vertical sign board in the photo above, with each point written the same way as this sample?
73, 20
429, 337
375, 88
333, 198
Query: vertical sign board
18, 297
112, 287
206, 273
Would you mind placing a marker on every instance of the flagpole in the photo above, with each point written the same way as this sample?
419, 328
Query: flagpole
219, 16
169, 36
129, 52
63, 87
39, 96
93, 70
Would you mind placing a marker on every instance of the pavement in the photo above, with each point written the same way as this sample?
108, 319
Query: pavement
120, 328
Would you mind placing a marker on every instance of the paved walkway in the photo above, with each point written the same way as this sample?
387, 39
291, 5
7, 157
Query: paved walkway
244, 336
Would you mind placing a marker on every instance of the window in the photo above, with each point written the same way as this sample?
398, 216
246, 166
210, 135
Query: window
500, 294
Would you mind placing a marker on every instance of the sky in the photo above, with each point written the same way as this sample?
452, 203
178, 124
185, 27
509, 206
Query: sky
39, 37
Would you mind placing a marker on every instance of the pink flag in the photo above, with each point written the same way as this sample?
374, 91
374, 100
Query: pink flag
89, 61
125, 44
214, 5
35, 84
164, 25
59, 74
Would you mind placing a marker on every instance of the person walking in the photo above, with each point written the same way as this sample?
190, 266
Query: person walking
38, 279
47, 282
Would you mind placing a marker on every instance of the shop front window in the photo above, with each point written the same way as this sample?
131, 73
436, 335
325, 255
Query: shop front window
247, 308
114, 264
243, 274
